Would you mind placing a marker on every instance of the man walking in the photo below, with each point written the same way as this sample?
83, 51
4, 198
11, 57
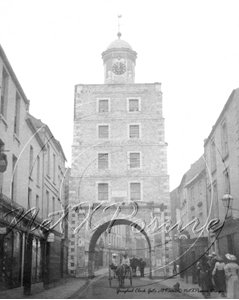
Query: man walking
142, 266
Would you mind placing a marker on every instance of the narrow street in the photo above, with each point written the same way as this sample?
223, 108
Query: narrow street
141, 289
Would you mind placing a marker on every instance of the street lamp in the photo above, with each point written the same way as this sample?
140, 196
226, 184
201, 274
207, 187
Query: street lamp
227, 201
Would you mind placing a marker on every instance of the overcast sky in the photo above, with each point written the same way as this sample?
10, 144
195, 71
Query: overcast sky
191, 47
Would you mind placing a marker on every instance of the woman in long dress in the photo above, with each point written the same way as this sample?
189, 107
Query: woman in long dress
231, 272
219, 276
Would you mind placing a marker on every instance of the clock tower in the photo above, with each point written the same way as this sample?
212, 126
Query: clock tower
119, 62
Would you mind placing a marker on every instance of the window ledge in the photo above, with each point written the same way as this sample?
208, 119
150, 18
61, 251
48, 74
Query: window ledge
15, 137
4, 121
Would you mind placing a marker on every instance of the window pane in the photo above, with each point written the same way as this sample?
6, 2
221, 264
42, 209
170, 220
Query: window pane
104, 132
103, 105
31, 161
133, 105
134, 131
103, 161
134, 160
17, 114
103, 191
4, 92
135, 191
38, 170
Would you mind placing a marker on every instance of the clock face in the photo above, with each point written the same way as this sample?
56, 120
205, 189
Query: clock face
119, 68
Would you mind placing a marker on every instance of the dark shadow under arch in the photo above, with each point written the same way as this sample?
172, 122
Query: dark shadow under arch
102, 228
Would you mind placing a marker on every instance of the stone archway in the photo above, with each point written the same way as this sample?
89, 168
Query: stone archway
102, 228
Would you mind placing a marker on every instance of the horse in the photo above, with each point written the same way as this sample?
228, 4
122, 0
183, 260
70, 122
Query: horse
120, 272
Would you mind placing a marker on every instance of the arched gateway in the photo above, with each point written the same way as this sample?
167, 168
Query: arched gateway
105, 227
119, 157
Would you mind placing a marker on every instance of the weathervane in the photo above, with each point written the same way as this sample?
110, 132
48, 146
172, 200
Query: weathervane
119, 33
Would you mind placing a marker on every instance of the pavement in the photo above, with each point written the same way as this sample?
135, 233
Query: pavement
64, 289
72, 287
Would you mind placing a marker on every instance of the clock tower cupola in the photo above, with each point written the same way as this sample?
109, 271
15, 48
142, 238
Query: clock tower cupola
119, 62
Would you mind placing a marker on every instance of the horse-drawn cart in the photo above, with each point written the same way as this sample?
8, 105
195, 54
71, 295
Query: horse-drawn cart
121, 273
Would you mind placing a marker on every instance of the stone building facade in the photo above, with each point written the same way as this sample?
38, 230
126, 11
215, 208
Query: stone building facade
27, 192
119, 155
209, 190
222, 157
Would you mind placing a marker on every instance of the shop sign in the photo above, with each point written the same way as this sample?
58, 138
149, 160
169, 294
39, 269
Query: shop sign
51, 237
3, 162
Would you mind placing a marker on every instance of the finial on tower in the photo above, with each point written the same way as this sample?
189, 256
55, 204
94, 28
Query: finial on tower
119, 33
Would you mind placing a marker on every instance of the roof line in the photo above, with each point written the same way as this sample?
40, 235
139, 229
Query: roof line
13, 75
220, 116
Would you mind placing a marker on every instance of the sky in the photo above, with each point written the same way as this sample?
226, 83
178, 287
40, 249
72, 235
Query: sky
191, 47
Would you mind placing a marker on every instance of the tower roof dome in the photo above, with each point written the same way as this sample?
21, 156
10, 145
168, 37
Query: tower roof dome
118, 43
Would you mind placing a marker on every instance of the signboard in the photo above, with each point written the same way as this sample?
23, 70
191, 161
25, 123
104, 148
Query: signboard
51, 237
3, 230
3, 162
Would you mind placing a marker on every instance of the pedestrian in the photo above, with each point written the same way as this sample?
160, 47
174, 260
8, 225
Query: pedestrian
142, 266
214, 260
219, 276
126, 264
198, 272
114, 265
204, 277
231, 272
211, 262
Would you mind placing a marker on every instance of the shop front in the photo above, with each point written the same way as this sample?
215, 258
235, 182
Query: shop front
21, 251
190, 251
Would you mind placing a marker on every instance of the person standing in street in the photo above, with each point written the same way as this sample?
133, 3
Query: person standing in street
218, 274
204, 277
126, 263
142, 266
231, 272
211, 262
